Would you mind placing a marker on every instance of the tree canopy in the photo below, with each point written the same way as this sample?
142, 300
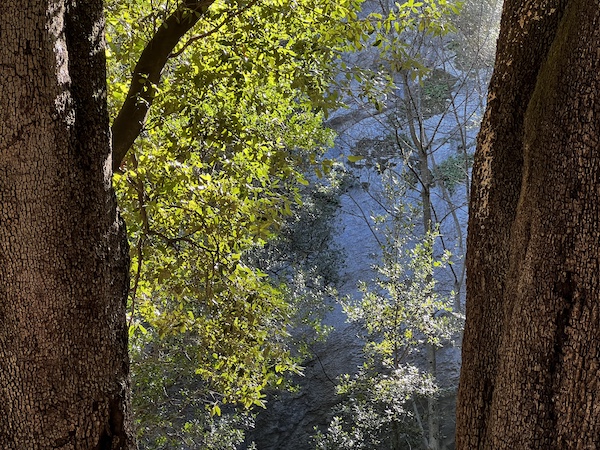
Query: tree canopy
218, 111
235, 113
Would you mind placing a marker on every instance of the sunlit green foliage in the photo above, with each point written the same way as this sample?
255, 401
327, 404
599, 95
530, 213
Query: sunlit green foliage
377, 411
236, 122
395, 30
400, 313
213, 176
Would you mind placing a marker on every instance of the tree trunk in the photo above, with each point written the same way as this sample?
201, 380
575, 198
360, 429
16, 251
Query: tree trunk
433, 417
63, 250
433, 414
531, 347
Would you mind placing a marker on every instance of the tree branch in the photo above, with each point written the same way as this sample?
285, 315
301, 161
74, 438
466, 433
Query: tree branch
146, 75
196, 37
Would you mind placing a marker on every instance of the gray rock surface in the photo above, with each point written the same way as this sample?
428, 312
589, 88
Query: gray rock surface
290, 418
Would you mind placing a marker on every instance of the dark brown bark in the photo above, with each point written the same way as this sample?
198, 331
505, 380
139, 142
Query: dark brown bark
63, 250
146, 75
532, 343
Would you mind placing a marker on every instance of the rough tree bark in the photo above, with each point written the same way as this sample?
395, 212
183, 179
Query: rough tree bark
63, 251
531, 350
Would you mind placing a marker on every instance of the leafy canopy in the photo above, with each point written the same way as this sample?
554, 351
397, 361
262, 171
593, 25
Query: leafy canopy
229, 124
235, 117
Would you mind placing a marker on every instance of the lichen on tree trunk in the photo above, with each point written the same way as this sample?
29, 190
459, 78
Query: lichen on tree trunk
64, 370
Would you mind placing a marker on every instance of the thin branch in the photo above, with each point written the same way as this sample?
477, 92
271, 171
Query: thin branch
364, 216
138, 275
321, 364
220, 25
139, 188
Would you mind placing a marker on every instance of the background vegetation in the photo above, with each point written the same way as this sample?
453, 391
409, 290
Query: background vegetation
227, 195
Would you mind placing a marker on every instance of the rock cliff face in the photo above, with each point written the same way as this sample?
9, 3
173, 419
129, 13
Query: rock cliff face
451, 102
290, 418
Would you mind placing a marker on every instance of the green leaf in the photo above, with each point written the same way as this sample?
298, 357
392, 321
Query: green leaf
355, 158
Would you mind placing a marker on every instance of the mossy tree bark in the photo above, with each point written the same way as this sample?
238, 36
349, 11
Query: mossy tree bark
531, 350
63, 249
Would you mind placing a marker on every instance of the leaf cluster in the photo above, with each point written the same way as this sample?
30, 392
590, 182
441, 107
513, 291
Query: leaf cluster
236, 120
377, 411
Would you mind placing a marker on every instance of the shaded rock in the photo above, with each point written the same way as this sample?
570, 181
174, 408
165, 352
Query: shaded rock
291, 417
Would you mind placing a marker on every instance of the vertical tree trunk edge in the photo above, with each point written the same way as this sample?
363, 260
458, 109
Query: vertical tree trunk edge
64, 259
530, 349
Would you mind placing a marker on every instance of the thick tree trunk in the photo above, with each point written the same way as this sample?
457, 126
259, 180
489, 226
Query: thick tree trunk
531, 347
63, 251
